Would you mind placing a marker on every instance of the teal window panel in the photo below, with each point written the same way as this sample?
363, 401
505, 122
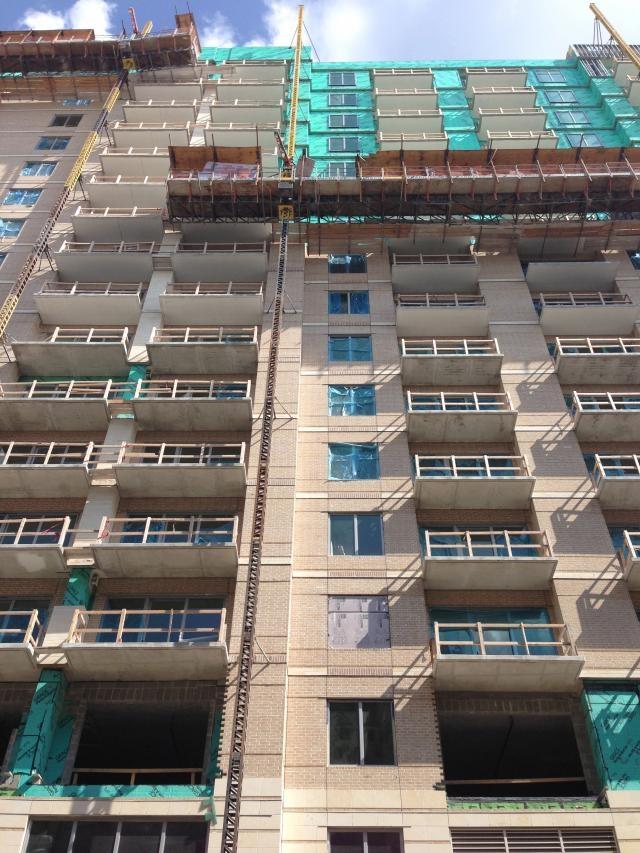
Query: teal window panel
351, 400
464, 142
447, 79
354, 462
458, 121
557, 97
606, 86
630, 131
350, 348
452, 98
22, 196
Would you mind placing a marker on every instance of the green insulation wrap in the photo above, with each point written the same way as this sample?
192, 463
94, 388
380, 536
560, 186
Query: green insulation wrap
613, 714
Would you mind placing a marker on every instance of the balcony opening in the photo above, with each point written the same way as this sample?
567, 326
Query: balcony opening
9, 722
511, 755
142, 745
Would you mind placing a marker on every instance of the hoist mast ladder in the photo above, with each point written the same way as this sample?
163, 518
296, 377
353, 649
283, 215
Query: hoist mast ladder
633, 55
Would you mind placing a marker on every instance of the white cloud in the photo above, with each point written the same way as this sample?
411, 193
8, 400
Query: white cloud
218, 31
81, 15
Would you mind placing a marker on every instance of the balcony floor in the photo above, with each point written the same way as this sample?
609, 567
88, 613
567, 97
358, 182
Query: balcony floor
473, 492
443, 322
451, 369
585, 320
178, 481
632, 574
212, 359
608, 426
40, 358
461, 426
224, 310
539, 674
37, 414
44, 481
145, 661
31, 561
166, 561
488, 572
17, 662
193, 414
79, 311
604, 369
620, 492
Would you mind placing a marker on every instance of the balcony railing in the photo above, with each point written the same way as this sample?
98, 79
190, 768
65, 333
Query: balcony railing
518, 639
597, 346
471, 544
216, 248
136, 775
14, 453
187, 389
442, 138
419, 401
177, 531
520, 135
205, 335
616, 467
147, 626
582, 300
401, 258
440, 300
150, 102
150, 125
433, 347
74, 389
470, 466
77, 288
35, 531
198, 288
64, 335
604, 402
409, 113
120, 248
106, 212
20, 627
504, 90
131, 179
213, 455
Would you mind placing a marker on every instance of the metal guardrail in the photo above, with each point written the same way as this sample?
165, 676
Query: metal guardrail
419, 401
35, 531
77, 288
630, 551
420, 258
192, 774
604, 402
597, 346
73, 389
472, 544
470, 466
106, 212
14, 453
440, 300
188, 389
159, 454
93, 335
146, 626
205, 335
182, 530
449, 346
481, 645
26, 635
199, 288
581, 300
615, 467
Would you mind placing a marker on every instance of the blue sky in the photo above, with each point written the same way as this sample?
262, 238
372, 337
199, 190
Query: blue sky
360, 29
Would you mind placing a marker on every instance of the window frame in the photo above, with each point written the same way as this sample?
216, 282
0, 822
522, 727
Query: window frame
76, 102
371, 445
550, 72
361, 738
53, 139
4, 236
338, 170
22, 192
349, 312
356, 539
163, 824
582, 142
559, 96
347, 262
561, 115
333, 75
349, 144
350, 349
364, 835
69, 120
352, 403
332, 99
348, 121
382, 610
39, 164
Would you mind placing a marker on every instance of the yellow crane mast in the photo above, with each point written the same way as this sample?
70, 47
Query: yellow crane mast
633, 55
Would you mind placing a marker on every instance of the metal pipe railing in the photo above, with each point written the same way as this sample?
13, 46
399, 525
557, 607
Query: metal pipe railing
144, 248
420, 258
35, 531
73, 389
630, 551
93, 335
449, 401
52, 453
610, 467
449, 346
159, 454
77, 288
470, 466
187, 389
146, 626
479, 644
440, 300
581, 300
192, 774
506, 544
597, 346
604, 402
204, 335
199, 288
27, 635
180, 530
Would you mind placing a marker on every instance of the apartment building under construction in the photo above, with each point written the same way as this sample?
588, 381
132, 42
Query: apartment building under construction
320, 449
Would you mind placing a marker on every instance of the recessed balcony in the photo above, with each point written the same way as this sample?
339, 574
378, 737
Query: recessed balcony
48, 470
232, 303
606, 417
514, 76
125, 133
249, 89
183, 546
457, 361
181, 404
178, 470
229, 261
444, 273
557, 277
413, 141
124, 190
630, 558
75, 352
42, 405
522, 139
465, 416
244, 112
146, 645
81, 303
242, 135
587, 313
606, 361
117, 223
409, 121
204, 349
410, 98
487, 559
254, 69
402, 78
20, 633
131, 162
617, 481
157, 110
507, 97
121, 262
33, 547
524, 657
441, 313
472, 482
501, 120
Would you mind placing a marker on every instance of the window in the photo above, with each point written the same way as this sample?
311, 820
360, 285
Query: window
347, 263
505, 630
65, 120
617, 536
350, 348
340, 170
359, 622
348, 302
572, 117
551, 77
343, 99
344, 143
15, 616
107, 836
583, 140
365, 842
353, 462
355, 534
3, 255
349, 400
52, 143
348, 120
10, 227
35, 169
160, 627
342, 78
76, 102
561, 96
22, 196
361, 733
634, 257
